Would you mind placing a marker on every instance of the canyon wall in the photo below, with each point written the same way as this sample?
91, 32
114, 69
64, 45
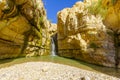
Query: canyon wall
22, 22
84, 36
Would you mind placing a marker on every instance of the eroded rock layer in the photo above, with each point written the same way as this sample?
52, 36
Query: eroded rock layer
82, 35
20, 22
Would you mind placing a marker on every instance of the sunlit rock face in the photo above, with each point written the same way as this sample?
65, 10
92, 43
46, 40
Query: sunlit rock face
52, 29
112, 19
40, 40
14, 29
19, 19
83, 36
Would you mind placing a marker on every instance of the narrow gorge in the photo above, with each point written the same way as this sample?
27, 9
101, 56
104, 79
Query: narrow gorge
88, 31
80, 34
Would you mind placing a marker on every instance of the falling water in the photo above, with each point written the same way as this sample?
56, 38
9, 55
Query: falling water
53, 49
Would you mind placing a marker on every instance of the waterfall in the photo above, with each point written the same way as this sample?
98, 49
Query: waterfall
53, 49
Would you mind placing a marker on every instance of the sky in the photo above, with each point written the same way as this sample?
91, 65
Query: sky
53, 6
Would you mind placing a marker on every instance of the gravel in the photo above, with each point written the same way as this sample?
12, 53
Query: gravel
49, 71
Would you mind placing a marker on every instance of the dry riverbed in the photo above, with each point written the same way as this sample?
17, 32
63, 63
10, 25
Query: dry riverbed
49, 71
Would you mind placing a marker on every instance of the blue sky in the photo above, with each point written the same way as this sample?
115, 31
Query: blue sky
53, 6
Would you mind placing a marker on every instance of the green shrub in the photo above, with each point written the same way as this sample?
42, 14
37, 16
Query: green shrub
97, 8
113, 1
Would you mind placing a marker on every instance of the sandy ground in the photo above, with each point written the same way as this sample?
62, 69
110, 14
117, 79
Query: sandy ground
49, 71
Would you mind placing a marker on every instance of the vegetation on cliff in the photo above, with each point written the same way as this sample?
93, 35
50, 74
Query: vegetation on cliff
97, 8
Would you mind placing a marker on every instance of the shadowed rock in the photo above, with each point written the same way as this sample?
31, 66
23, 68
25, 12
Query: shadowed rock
19, 19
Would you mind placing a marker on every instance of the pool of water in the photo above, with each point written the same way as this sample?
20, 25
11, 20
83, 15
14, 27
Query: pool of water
61, 60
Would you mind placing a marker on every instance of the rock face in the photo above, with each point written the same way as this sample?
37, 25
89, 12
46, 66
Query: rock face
40, 38
83, 36
20, 20
12, 36
52, 29
114, 11
112, 21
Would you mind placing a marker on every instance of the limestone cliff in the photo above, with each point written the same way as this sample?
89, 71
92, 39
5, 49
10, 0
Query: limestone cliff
82, 35
52, 29
21, 21
112, 21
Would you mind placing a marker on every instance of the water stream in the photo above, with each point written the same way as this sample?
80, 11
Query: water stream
53, 49
54, 46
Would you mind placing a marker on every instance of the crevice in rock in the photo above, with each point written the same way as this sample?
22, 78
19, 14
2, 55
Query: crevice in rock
116, 44
26, 39
11, 43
